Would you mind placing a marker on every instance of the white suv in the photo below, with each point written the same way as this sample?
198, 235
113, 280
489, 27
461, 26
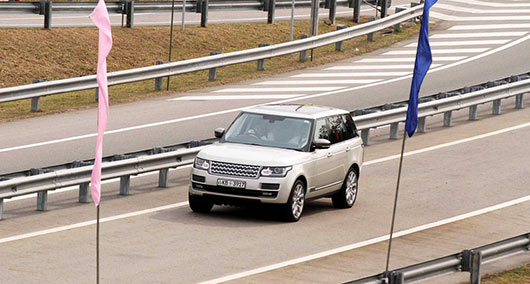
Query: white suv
280, 154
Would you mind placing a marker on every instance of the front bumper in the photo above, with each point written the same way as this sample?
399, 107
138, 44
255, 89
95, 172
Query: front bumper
257, 190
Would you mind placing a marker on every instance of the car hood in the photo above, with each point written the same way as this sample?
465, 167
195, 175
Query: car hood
252, 155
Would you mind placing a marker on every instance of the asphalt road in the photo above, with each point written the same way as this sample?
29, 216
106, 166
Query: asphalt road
61, 19
173, 245
167, 243
481, 56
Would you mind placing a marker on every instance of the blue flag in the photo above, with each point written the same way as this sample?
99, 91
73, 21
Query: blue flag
421, 66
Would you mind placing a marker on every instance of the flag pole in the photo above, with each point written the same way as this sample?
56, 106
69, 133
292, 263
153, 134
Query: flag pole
171, 37
97, 245
395, 203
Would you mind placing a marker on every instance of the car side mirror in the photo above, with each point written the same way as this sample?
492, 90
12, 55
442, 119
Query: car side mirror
219, 132
322, 143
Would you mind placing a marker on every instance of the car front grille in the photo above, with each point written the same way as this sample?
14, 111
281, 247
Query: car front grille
235, 170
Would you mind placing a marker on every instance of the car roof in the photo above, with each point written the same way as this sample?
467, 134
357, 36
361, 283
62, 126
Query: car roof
296, 110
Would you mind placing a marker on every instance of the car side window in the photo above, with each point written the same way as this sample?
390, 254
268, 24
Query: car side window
351, 129
337, 129
321, 129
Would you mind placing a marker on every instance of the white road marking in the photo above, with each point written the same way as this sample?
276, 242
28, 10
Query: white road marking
376, 161
478, 19
471, 35
492, 4
489, 27
376, 67
357, 74
410, 59
463, 43
177, 120
438, 51
240, 97
369, 241
319, 82
267, 90
481, 11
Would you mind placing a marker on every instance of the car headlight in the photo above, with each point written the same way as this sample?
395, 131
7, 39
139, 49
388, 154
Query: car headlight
275, 171
201, 164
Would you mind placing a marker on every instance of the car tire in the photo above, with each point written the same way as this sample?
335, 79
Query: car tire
295, 205
199, 204
347, 195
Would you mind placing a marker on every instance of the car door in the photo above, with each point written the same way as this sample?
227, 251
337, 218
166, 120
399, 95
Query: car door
324, 169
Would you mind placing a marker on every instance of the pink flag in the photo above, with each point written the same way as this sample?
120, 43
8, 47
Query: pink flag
100, 17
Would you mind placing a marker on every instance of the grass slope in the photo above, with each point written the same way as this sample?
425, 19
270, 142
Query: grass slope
28, 54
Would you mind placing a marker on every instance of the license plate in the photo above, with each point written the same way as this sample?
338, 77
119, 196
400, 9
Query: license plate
231, 183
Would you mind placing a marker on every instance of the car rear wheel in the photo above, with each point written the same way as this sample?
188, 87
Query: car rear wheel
347, 195
199, 204
295, 205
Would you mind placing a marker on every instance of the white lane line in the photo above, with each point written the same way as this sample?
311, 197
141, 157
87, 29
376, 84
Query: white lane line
478, 19
91, 222
171, 206
369, 241
471, 35
240, 97
463, 43
492, 4
320, 82
438, 51
376, 67
355, 74
199, 116
267, 90
481, 11
489, 27
410, 59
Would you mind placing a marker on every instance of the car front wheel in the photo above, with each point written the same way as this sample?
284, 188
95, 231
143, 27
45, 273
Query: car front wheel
347, 195
199, 204
295, 205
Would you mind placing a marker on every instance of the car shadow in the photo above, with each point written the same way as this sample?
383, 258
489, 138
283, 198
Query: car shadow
230, 216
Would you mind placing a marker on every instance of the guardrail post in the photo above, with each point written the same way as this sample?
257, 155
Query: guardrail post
365, 135
261, 62
370, 36
163, 176
35, 102
265, 5
130, 13
356, 11
270, 12
496, 107
421, 124
48, 15
412, 5
397, 27
204, 13
213, 71
396, 277
338, 45
97, 94
519, 104
125, 185
1, 208
84, 193
476, 260
394, 130
42, 4
303, 53
447, 118
332, 11
158, 81
42, 200
383, 8
473, 112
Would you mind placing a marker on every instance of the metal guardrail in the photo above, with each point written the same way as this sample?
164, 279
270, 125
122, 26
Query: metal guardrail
41, 183
35, 91
465, 261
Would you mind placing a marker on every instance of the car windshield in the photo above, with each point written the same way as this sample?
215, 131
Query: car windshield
270, 130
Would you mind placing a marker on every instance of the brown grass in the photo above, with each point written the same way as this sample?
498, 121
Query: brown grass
27, 54
519, 275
